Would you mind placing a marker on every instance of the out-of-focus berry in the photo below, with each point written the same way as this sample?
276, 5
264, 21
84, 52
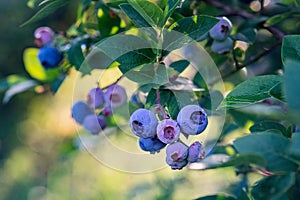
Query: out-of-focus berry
49, 57
221, 47
152, 145
115, 96
168, 131
80, 110
177, 155
221, 30
107, 112
192, 119
43, 36
94, 123
143, 123
95, 98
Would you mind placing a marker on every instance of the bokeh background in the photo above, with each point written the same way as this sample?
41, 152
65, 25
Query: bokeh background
39, 158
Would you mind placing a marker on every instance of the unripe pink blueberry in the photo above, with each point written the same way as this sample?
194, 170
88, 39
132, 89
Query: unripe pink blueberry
221, 47
94, 123
115, 96
43, 36
221, 30
177, 155
80, 110
143, 123
192, 120
168, 131
95, 97
196, 153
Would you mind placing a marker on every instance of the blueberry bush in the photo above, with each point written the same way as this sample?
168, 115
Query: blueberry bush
215, 83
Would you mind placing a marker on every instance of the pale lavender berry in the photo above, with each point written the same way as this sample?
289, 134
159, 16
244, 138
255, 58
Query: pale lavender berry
143, 123
152, 145
221, 30
196, 153
95, 97
94, 123
221, 47
115, 96
43, 36
192, 120
168, 131
80, 110
177, 155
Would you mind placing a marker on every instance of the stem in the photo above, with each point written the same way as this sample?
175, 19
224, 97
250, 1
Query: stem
165, 116
122, 76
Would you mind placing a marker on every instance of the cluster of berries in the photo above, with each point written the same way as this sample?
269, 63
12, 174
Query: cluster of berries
91, 114
220, 34
155, 135
48, 55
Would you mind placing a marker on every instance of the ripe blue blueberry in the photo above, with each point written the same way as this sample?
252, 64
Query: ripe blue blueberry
80, 110
168, 131
152, 145
43, 36
115, 96
49, 57
221, 47
196, 153
94, 123
177, 155
192, 119
221, 30
143, 123
95, 98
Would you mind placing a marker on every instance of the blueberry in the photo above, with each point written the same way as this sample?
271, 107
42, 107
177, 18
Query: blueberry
221, 30
192, 119
177, 155
151, 144
80, 110
49, 57
43, 36
115, 96
168, 131
95, 98
221, 47
143, 123
196, 152
94, 123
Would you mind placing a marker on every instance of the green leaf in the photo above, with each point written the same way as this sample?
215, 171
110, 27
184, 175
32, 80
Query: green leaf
170, 8
46, 10
195, 26
292, 91
75, 55
294, 148
245, 159
34, 67
10, 81
135, 17
247, 35
180, 65
273, 187
18, 88
269, 126
108, 21
217, 197
151, 12
56, 83
290, 48
168, 99
251, 91
271, 146
277, 19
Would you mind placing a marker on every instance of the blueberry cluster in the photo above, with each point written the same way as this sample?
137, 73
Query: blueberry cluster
48, 55
220, 34
155, 135
92, 113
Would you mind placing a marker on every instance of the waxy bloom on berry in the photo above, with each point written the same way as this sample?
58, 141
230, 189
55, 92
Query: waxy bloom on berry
168, 131
177, 155
143, 123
